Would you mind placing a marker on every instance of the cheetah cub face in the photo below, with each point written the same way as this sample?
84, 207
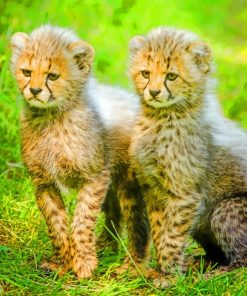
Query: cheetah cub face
169, 67
50, 66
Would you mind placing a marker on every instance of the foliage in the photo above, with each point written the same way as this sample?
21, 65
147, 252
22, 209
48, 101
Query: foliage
107, 25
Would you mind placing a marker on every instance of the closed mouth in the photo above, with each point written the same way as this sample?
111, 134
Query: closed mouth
160, 99
35, 98
155, 99
51, 98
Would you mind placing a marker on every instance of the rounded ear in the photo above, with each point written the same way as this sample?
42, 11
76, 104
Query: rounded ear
19, 40
201, 54
83, 53
136, 43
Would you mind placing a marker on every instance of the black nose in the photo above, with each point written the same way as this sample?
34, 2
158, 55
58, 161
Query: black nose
154, 93
35, 91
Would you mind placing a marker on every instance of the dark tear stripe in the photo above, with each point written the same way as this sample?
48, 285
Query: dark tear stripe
146, 85
26, 85
170, 94
46, 83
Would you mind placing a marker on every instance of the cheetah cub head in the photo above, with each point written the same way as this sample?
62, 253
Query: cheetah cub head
51, 65
169, 67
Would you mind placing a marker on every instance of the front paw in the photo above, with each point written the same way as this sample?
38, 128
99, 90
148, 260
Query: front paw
134, 267
126, 266
84, 266
52, 266
161, 282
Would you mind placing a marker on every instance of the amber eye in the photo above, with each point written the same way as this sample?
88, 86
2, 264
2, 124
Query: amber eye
26, 73
52, 76
171, 76
145, 74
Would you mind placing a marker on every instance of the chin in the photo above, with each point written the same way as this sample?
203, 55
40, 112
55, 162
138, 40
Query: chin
40, 104
162, 102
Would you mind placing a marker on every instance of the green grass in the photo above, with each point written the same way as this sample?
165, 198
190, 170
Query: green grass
107, 25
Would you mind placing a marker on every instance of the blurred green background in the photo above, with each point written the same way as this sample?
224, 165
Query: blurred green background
107, 25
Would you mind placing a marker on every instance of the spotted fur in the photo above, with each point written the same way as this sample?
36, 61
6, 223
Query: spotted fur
71, 136
193, 182
62, 139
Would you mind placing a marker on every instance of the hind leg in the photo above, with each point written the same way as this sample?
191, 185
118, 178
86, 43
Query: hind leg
229, 226
112, 211
135, 216
214, 254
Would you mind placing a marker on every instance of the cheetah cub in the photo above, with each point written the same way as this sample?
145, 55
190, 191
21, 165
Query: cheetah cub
62, 139
192, 169
71, 133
